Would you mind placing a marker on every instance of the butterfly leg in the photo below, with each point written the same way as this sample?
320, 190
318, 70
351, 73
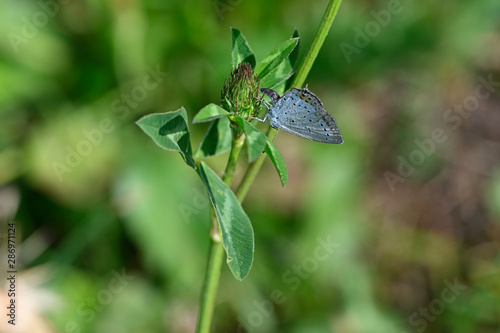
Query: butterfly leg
261, 120
266, 103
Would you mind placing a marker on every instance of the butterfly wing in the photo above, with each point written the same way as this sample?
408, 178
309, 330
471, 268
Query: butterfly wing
301, 113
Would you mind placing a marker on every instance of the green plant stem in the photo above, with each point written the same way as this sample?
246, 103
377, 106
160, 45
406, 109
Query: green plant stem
324, 27
249, 176
216, 252
252, 170
211, 281
300, 77
233, 158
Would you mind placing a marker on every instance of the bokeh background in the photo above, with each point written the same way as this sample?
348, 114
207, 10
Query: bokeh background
112, 230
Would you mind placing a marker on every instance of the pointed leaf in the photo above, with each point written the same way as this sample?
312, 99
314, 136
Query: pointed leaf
170, 131
241, 51
274, 58
284, 71
278, 161
294, 56
278, 76
256, 140
209, 113
217, 140
292, 59
235, 226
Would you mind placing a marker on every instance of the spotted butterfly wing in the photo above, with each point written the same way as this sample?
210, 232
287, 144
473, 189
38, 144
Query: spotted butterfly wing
301, 113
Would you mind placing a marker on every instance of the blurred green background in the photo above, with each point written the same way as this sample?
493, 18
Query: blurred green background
112, 231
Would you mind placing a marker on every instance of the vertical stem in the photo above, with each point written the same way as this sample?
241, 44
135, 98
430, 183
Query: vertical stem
248, 178
238, 142
212, 275
216, 253
252, 170
324, 27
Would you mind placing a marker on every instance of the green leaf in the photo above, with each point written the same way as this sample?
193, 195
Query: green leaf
274, 58
278, 76
294, 56
241, 51
234, 224
278, 161
209, 113
217, 140
256, 140
170, 131
284, 71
